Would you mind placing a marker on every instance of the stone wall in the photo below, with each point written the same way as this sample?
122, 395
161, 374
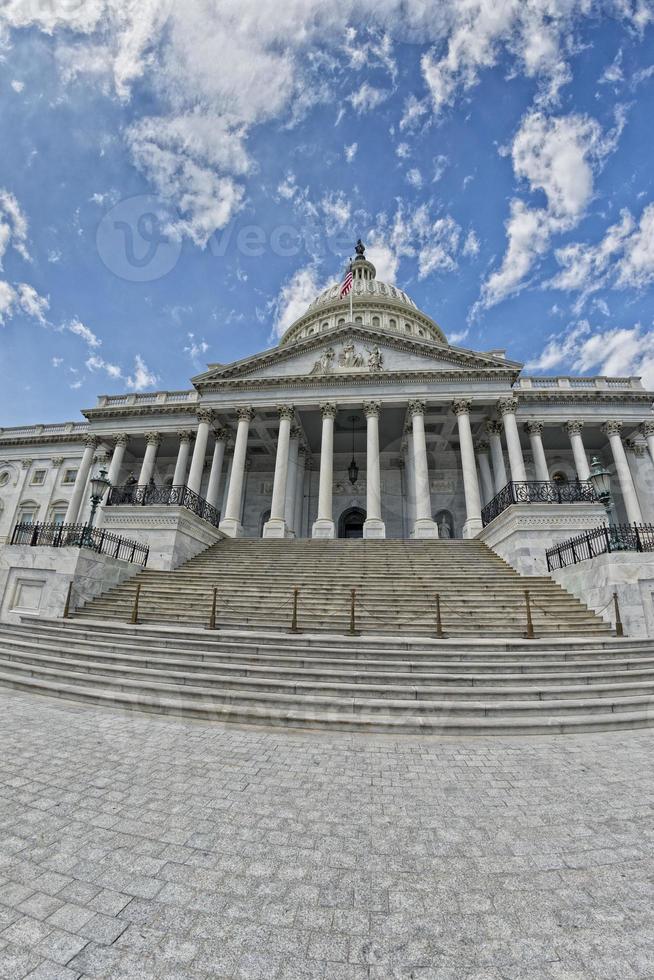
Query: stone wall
523, 532
35, 580
629, 574
173, 534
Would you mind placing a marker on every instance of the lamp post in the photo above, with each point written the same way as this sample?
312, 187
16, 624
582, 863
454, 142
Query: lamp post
600, 480
99, 485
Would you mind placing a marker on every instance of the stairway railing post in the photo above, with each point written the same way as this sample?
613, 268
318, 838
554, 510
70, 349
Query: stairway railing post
294, 626
529, 632
439, 623
619, 628
212, 615
353, 626
135, 608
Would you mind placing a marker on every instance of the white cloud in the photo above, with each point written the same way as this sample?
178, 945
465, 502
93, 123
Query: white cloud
81, 330
434, 242
440, 165
31, 303
623, 258
195, 349
13, 226
96, 363
615, 351
557, 156
336, 209
294, 297
385, 261
351, 152
414, 110
414, 177
471, 245
367, 98
57, 361
613, 74
17, 86
142, 377
403, 150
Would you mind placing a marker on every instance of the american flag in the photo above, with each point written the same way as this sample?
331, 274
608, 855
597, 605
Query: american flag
346, 285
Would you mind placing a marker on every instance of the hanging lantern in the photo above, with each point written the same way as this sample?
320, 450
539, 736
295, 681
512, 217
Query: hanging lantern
353, 469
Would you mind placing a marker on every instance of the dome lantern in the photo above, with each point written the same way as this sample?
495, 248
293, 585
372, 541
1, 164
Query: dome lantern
362, 268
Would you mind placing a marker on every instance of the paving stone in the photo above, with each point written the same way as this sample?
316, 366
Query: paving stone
159, 848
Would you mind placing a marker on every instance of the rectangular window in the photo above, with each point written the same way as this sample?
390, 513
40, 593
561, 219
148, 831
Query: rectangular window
69, 476
38, 478
27, 515
59, 517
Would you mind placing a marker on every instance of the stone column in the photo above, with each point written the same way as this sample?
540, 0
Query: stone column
118, 455
483, 459
76, 501
25, 467
57, 462
642, 475
216, 466
194, 480
231, 521
373, 526
323, 527
508, 408
291, 483
275, 526
494, 430
424, 525
410, 478
573, 428
181, 465
613, 430
228, 479
647, 431
152, 441
299, 491
473, 525
535, 432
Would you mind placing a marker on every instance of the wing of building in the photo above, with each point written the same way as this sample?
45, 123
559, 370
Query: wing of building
356, 424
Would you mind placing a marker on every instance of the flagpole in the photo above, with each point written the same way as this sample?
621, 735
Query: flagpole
351, 296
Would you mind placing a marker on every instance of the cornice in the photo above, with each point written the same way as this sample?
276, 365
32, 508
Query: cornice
36, 440
130, 411
582, 397
364, 379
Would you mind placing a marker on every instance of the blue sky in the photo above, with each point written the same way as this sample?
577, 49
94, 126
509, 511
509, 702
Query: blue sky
178, 180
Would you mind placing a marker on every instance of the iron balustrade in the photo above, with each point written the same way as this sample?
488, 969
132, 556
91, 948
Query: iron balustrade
81, 536
600, 541
538, 492
138, 495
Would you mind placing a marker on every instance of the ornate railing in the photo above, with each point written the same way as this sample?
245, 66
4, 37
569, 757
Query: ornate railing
535, 492
81, 536
600, 541
168, 496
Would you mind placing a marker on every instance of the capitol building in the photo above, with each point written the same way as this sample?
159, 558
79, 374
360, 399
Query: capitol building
367, 425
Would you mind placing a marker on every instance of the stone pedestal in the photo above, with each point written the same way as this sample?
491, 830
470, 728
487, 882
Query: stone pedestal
34, 581
424, 528
276, 528
173, 534
629, 574
323, 528
523, 532
374, 527
472, 527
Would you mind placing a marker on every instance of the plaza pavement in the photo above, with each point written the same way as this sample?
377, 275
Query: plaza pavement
147, 847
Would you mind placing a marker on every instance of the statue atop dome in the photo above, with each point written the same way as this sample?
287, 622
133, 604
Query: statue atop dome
360, 249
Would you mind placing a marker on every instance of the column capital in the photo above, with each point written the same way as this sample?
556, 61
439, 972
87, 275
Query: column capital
646, 428
121, 439
534, 426
371, 409
153, 438
612, 427
286, 412
482, 446
222, 435
185, 436
493, 427
416, 407
204, 415
635, 447
461, 406
507, 406
26, 463
90, 441
296, 431
573, 426
328, 410
57, 461
245, 413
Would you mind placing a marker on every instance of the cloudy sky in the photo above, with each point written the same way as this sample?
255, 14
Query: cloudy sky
178, 178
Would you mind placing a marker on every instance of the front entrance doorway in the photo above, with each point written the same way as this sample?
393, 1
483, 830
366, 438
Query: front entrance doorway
350, 524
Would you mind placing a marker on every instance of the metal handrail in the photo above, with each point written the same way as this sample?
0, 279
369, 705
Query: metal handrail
601, 540
538, 492
81, 536
179, 496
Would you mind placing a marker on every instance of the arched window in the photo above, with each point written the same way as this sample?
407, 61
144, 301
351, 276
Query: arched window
375, 321
58, 512
408, 327
28, 512
392, 324
358, 319
559, 478
341, 321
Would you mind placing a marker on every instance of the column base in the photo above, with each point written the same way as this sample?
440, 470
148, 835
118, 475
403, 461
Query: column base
275, 528
231, 527
472, 527
323, 529
424, 528
374, 527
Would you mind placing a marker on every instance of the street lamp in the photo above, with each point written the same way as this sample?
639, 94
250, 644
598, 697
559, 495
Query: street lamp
600, 480
99, 485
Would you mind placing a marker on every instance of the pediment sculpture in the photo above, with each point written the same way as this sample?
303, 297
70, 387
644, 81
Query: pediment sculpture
349, 359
